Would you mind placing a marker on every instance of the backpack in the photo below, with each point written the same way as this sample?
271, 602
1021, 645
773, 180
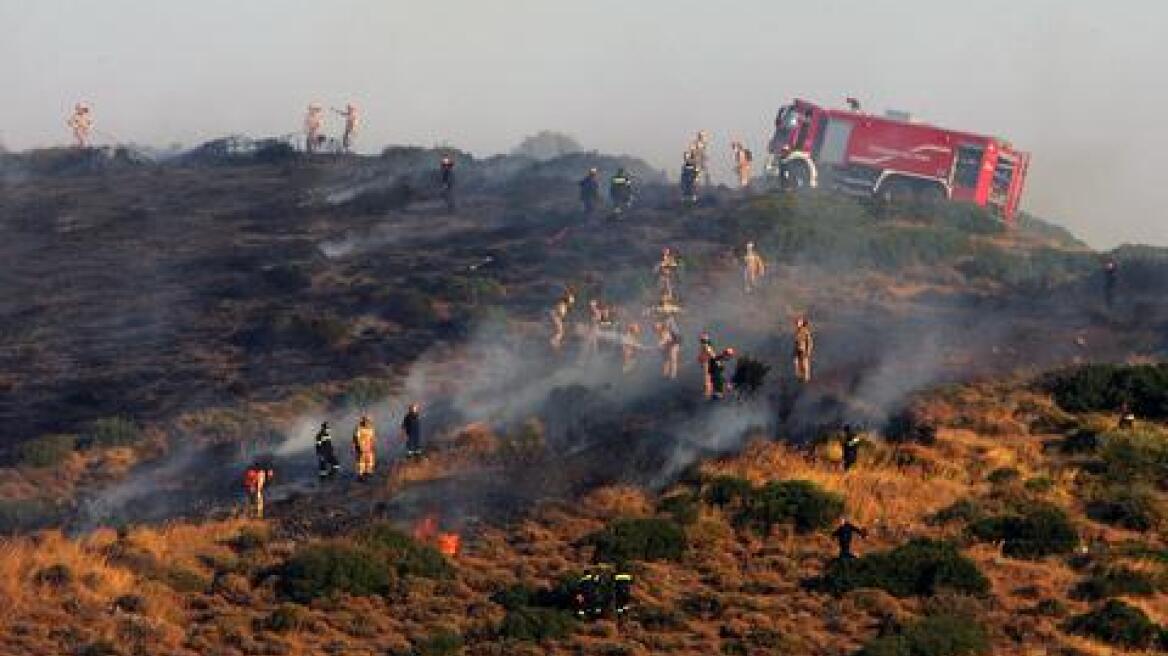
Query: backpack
748, 155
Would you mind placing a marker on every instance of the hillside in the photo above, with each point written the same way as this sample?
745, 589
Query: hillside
168, 322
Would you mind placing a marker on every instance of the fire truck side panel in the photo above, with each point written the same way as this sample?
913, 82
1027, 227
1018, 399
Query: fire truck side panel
918, 150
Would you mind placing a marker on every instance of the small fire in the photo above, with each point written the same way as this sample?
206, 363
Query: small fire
426, 531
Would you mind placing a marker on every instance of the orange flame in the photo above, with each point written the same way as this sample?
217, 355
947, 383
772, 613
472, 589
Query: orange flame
448, 544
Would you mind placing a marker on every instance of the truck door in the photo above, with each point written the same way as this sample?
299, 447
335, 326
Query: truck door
835, 141
967, 171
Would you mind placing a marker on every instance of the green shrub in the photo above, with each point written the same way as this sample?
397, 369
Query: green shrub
683, 508
1106, 387
933, 635
18, 515
1136, 507
1003, 475
726, 490
99, 648
184, 580
921, 567
250, 539
801, 503
441, 643
647, 539
1117, 623
54, 575
964, 510
287, 617
1081, 440
910, 425
46, 450
114, 431
1115, 582
536, 624
323, 570
1038, 530
1039, 484
706, 606
1139, 455
406, 556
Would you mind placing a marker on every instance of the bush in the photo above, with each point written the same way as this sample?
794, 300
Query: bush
910, 425
287, 617
959, 511
1039, 484
1003, 475
921, 567
802, 503
46, 451
54, 575
638, 539
1106, 387
934, 635
442, 643
1136, 507
749, 376
114, 431
725, 490
323, 570
1117, 623
406, 556
250, 539
1039, 530
99, 648
1116, 582
1081, 440
536, 624
1140, 455
683, 508
18, 515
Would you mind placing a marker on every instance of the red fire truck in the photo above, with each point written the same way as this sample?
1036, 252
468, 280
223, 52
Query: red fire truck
894, 158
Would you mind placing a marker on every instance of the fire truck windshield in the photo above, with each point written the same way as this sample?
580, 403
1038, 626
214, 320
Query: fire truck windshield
785, 124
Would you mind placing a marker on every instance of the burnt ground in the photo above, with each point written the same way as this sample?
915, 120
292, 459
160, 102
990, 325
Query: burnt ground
150, 290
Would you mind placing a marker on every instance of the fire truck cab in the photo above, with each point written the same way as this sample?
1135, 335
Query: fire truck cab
894, 158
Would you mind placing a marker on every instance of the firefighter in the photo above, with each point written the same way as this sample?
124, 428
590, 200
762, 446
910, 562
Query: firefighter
1127, 418
254, 480
843, 534
590, 191
559, 315
717, 367
364, 439
670, 345
804, 346
352, 119
700, 150
630, 344
313, 122
620, 190
81, 123
706, 354
666, 271
592, 332
412, 430
1110, 274
743, 161
851, 447
326, 457
753, 268
446, 179
690, 172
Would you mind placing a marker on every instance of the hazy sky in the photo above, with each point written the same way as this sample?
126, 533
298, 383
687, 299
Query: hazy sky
1081, 84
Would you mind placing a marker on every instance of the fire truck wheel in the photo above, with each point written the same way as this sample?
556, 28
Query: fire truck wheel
896, 192
798, 176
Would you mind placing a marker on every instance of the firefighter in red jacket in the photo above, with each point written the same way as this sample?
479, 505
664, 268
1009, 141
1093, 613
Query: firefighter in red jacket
254, 480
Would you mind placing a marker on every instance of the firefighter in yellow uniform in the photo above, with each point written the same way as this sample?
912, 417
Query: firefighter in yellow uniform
559, 315
753, 267
364, 439
313, 123
706, 353
804, 346
742, 163
352, 120
81, 123
670, 345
